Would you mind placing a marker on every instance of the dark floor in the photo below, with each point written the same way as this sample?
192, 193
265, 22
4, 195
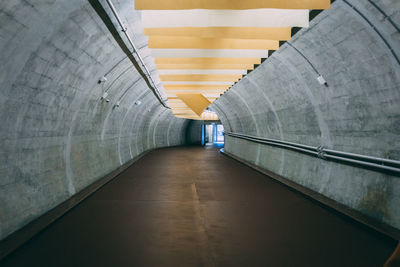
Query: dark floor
195, 207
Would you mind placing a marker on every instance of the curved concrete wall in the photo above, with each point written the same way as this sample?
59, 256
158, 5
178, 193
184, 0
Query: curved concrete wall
57, 136
359, 110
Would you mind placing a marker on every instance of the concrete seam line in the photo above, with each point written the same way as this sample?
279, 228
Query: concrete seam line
230, 109
24, 234
120, 130
278, 120
140, 119
155, 126
253, 118
219, 110
112, 107
150, 127
380, 227
169, 128
323, 126
130, 128
133, 121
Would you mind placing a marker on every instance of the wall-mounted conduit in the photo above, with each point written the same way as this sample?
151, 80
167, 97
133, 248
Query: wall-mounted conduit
308, 61
368, 162
147, 72
116, 64
374, 28
384, 14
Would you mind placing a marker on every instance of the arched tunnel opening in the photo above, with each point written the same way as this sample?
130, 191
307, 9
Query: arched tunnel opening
200, 133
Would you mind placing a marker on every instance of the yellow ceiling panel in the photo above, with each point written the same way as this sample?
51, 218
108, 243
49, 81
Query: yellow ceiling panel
210, 43
197, 102
206, 60
181, 109
184, 113
201, 77
230, 4
177, 103
279, 33
173, 99
205, 66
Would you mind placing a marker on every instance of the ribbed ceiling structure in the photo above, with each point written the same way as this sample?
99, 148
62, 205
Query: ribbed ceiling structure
202, 47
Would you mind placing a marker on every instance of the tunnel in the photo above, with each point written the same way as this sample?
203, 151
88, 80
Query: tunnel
200, 133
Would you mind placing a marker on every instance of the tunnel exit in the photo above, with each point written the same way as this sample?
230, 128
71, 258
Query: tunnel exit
212, 135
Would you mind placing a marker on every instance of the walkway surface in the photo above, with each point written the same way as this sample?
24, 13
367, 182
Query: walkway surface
192, 206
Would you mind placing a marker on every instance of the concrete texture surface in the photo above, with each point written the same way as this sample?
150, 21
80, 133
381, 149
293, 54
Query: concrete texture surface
193, 132
358, 111
56, 135
196, 207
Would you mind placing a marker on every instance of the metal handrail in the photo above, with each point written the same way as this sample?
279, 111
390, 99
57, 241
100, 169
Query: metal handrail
370, 162
124, 30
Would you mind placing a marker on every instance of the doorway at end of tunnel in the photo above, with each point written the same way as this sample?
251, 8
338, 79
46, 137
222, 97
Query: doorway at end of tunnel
212, 135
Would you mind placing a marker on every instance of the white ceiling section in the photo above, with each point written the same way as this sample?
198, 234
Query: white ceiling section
225, 18
203, 83
229, 53
177, 71
202, 47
